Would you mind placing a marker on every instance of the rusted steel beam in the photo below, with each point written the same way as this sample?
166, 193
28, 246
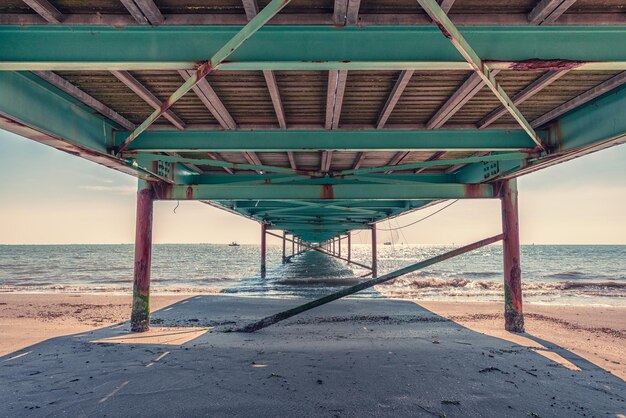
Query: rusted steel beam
513, 312
211, 100
394, 96
46, 10
585, 97
263, 248
548, 11
450, 31
462, 95
67, 87
147, 96
334, 97
205, 68
533, 88
374, 257
140, 314
270, 320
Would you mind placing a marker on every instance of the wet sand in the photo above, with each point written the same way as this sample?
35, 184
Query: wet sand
595, 333
350, 358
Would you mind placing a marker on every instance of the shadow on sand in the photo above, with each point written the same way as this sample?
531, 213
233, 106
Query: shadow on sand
348, 358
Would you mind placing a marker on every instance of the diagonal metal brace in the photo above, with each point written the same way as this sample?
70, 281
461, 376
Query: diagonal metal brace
450, 31
207, 67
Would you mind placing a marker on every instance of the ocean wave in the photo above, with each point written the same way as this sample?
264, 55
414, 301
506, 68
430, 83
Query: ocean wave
566, 275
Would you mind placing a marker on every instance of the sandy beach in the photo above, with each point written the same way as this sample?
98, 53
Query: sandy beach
595, 333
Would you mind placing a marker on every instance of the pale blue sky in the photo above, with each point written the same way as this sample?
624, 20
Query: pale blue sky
52, 197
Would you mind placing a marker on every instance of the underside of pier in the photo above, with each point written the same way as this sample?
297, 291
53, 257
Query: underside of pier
317, 117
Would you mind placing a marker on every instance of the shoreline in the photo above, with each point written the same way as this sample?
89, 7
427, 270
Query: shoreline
596, 333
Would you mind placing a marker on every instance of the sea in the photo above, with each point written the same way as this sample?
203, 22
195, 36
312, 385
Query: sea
551, 274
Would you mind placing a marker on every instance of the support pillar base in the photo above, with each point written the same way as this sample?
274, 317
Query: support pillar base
140, 316
514, 321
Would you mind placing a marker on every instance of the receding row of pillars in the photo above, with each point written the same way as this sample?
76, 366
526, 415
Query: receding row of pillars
513, 310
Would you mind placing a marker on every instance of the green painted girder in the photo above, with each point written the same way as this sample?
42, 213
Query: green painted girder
327, 192
168, 47
32, 108
241, 179
375, 204
596, 125
338, 140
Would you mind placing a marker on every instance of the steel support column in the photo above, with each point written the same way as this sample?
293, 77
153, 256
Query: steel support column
263, 248
284, 247
339, 245
293, 246
513, 314
349, 246
140, 314
374, 263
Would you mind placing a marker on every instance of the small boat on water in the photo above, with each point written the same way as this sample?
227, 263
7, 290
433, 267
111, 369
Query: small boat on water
233, 244
388, 243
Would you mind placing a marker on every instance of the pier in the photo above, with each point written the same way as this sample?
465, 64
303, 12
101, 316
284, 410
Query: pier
318, 124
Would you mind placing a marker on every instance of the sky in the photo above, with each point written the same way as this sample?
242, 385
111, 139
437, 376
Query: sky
50, 197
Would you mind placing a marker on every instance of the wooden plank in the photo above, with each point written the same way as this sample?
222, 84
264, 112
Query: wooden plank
533, 88
397, 159
359, 160
135, 12
272, 86
394, 96
216, 157
46, 10
462, 95
591, 94
548, 11
339, 12
334, 97
67, 87
292, 160
207, 95
352, 13
435, 156
147, 96
251, 7
326, 161
150, 11
446, 5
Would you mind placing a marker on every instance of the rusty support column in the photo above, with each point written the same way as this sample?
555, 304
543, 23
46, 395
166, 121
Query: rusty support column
349, 247
293, 245
339, 245
263, 248
374, 263
140, 314
284, 247
334, 247
513, 313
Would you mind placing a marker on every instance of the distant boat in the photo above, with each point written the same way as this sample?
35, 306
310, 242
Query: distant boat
233, 244
388, 243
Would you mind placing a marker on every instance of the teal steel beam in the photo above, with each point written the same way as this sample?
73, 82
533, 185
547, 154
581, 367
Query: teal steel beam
32, 108
338, 140
452, 33
136, 48
515, 156
209, 66
597, 125
274, 178
326, 192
